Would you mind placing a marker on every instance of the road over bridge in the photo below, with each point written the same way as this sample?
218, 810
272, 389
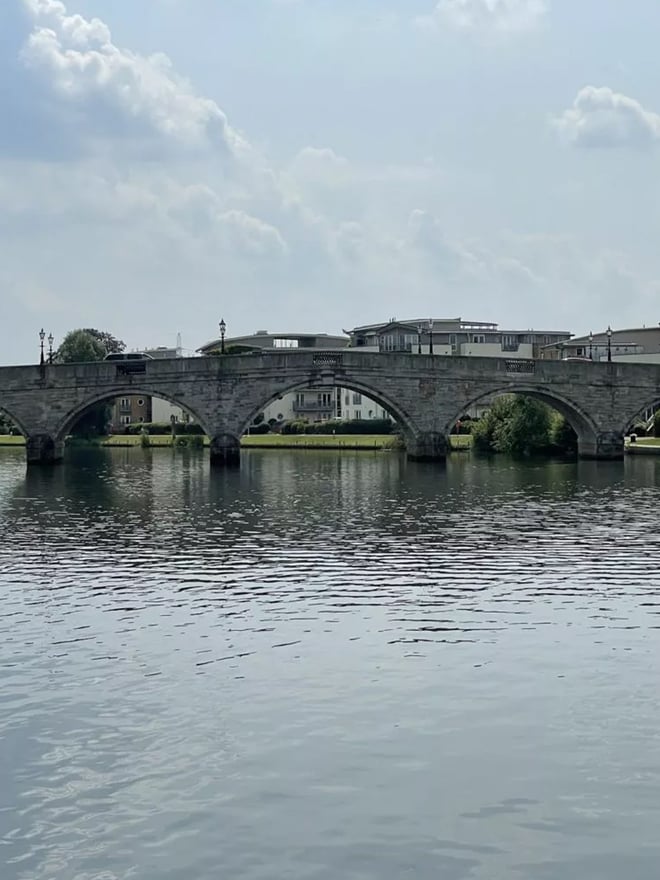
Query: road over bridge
426, 394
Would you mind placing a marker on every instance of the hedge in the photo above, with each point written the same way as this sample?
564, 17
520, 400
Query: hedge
165, 428
336, 426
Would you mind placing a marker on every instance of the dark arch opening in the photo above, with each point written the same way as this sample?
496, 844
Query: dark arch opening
109, 398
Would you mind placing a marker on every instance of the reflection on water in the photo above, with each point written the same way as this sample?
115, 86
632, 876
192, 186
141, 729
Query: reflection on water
328, 666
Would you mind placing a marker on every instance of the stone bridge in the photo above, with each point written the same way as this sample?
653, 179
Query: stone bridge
426, 394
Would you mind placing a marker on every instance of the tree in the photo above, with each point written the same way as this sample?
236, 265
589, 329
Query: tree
111, 343
516, 425
80, 346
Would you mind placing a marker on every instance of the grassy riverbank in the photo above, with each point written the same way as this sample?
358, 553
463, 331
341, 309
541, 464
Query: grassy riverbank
462, 442
11, 440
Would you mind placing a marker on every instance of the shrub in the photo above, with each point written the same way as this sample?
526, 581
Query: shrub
639, 429
562, 436
656, 424
262, 428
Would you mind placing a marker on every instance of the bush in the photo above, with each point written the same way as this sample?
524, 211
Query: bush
262, 428
639, 429
515, 424
656, 424
294, 427
562, 436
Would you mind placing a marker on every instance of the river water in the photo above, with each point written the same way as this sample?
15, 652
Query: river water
328, 667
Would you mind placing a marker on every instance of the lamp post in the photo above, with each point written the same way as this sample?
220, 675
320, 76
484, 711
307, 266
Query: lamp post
42, 336
430, 335
419, 338
223, 328
591, 345
51, 339
609, 344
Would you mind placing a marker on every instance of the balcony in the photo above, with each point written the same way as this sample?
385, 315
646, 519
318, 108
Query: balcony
313, 407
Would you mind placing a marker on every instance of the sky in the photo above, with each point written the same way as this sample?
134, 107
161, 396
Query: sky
313, 165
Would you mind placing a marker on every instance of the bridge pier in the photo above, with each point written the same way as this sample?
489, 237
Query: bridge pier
41, 449
428, 446
606, 446
225, 451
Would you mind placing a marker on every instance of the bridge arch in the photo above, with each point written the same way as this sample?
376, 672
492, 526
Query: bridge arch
581, 422
66, 423
637, 413
11, 415
402, 416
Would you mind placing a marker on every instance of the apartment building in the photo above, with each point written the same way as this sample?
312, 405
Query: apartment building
456, 337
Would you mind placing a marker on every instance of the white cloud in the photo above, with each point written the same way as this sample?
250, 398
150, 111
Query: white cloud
210, 226
601, 117
487, 15
121, 92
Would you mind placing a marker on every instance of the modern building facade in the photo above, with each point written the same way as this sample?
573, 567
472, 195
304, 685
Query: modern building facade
631, 345
456, 337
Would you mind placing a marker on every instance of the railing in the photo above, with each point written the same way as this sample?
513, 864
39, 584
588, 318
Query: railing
520, 366
327, 359
314, 406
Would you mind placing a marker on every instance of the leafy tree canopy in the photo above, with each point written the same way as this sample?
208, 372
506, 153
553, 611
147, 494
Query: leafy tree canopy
111, 343
80, 346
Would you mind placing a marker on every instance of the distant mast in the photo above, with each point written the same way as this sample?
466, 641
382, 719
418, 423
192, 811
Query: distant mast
178, 345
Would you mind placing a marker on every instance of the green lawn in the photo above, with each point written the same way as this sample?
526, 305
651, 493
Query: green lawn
285, 441
319, 441
11, 440
648, 441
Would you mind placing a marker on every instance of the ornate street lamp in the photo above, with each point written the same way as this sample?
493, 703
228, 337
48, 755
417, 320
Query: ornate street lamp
51, 339
419, 338
223, 328
609, 344
591, 345
430, 335
42, 336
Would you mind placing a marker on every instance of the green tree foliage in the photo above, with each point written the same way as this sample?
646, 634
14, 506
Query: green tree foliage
79, 346
521, 426
656, 424
562, 436
111, 344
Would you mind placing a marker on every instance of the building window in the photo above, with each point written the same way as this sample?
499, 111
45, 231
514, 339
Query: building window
124, 420
478, 338
357, 398
300, 398
347, 399
124, 402
140, 401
